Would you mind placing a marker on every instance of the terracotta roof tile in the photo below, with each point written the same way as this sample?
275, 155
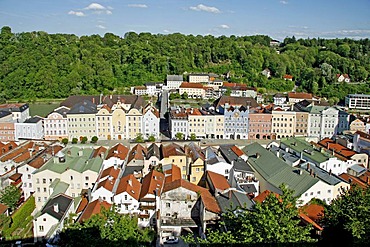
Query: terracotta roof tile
98, 151
137, 152
354, 180
153, 181
107, 183
82, 205
172, 174
18, 152
314, 211
118, 151
218, 181
172, 149
296, 95
262, 196
93, 208
338, 149
3, 208
191, 85
237, 151
130, 185
15, 176
111, 171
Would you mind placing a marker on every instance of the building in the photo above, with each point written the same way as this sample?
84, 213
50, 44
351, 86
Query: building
361, 143
175, 154
199, 78
20, 112
322, 122
294, 97
283, 123
343, 78
358, 101
266, 72
357, 125
56, 124
279, 99
193, 90
236, 122
105, 187
151, 122
174, 81
307, 152
140, 90
196, 162
260, 124
238, 90
31, 129
272, 172
178, 123
301, 122
49, 222
81, 120
70, 171
127, 195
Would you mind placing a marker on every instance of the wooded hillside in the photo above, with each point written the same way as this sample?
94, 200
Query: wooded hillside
41, 65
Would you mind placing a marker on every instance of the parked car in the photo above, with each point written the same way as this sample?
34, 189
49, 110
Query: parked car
171, 240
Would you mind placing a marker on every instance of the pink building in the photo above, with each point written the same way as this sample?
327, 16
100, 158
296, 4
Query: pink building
260, 125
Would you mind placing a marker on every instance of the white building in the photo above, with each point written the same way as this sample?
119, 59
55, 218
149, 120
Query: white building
20, 112
174, 81
127, 195
56, 124
322, 122
105, 186
198, 78
50, 220
358, 101
151, 122
31, 129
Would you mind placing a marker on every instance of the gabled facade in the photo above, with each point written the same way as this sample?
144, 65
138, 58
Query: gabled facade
236, 122
127, 195
56, 124
151, 122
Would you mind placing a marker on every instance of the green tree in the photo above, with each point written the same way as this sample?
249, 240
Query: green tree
347, 218
185, 95
193, 137
84, 140
74, 140
151, 138
179, 136
107, 229
10, 196
271, 222
139, 138
65, 141
94, 139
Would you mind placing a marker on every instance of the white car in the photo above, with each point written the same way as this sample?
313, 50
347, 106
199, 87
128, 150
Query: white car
171, 240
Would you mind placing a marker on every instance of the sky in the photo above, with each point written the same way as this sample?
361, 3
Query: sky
275, 18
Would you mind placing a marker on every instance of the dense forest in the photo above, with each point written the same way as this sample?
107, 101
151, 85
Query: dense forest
41, 65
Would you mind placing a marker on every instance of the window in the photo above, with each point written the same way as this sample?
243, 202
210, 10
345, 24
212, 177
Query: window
41, 228
38, 189
39, 199
44, 189
197, 169
86, 178
44, 180
125, 197
168, 205
226, 171
329, 191
71, 177
193, 179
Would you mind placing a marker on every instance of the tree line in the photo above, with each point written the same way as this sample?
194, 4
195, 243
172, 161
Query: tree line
41, 65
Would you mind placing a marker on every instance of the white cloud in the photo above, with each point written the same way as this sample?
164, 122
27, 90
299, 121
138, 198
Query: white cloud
99, 9
95, 6
137, 5
224, 26
284, 2
76, 13
201, 7
166, 31
101, 26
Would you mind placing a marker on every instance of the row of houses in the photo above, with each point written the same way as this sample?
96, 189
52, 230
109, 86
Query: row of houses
242, 118
112, 117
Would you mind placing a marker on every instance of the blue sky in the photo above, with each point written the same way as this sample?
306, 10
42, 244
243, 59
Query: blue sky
276, 18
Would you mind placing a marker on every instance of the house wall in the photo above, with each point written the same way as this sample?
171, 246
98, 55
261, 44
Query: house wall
134, 121
80, 125
104, 130
7, 131
283, 123
119, 123
150, 124
126, 204
259, 126
55, 127
197, 171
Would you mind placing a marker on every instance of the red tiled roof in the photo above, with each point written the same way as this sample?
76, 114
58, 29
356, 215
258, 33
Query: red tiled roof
133, 188
172, 149
153, 181
15, 176
310, 221
111, 171
191, 85
119, 151
262, 196
7, 147
288, 77
218, 181
137, 153
208, 200
3, 208
172, 174
98, 151
18, 152
339, 149
237, 151
93, 208
314, 211
354, 180
37, 163
82, 205
296, 95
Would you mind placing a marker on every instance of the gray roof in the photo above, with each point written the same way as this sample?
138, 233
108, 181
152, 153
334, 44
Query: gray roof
357, 168
85, 107
322, 174
175, 78
35, 119
211, 156
63, 203
276, 172
131, 169
135, 101
153, 150
62, 111
4, 114
249, 188
231, 157
231, 199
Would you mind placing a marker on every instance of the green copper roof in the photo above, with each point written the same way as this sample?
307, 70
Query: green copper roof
58, 187
276, 171
76, 158
308, 150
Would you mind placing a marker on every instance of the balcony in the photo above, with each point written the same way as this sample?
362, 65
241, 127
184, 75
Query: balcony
147, 207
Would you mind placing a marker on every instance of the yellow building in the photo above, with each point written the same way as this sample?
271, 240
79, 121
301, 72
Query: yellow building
283, 123
174, 154
196, 159
81, 120
193, 90
301, 123
133, 120
104, 123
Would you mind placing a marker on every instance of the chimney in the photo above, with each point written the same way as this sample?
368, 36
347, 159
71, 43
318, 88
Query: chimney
330, 172
93, 100
258, 155
129, 182
80, 152
368, 180
56, 207
308, 166
311, 172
